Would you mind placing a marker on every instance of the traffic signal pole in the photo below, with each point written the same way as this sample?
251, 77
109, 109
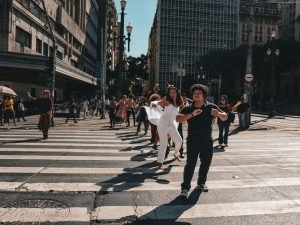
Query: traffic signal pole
53, 69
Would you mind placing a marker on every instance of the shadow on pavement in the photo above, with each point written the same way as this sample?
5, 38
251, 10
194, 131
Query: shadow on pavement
167, 214
21, 141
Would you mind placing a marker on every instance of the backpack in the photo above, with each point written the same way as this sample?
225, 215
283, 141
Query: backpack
231, 117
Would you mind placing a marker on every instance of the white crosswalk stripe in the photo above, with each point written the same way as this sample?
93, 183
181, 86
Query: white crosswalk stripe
92, 160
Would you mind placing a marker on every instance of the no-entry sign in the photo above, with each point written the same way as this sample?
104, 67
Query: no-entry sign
248, 77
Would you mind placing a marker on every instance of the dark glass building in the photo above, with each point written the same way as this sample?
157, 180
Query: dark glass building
189, 29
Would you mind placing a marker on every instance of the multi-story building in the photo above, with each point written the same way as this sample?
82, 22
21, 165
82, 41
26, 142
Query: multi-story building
186, 31
265, 20
152, 63
26, 45
289, 29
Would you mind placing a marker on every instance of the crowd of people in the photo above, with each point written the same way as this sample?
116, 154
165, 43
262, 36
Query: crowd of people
163, 114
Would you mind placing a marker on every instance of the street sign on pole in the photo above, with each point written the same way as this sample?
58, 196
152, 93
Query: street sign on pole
249, 77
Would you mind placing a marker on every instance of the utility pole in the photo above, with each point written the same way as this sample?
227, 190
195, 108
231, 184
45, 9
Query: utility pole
247, 86
53, 69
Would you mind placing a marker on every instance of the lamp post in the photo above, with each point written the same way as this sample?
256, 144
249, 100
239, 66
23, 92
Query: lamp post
273, 54
122, 40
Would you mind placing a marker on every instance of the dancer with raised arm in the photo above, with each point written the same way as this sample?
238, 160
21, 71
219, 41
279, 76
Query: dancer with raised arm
167, 125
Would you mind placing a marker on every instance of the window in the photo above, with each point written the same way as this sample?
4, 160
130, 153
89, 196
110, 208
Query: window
45, 49
23, 38
38, 45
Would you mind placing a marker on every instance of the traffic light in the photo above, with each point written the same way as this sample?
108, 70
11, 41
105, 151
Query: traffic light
49, 71
49, 81
49, 65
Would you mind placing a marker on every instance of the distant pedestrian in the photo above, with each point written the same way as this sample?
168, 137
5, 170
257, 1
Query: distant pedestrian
130, 110
9, 112
71, 109
200, 116
154, 134
98, 107
121, 109
224, 125
242, 108
1, 112
45, 107
112, 111
85, 107
142, 116
21, 110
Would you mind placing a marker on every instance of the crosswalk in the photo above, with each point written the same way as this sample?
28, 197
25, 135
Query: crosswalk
86, 173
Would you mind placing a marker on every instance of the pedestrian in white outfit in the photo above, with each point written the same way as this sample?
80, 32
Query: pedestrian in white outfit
167, 125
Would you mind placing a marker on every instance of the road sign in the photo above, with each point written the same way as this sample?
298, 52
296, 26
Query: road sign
248, 77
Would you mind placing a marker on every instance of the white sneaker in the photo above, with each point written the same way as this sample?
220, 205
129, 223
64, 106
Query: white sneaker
184, 193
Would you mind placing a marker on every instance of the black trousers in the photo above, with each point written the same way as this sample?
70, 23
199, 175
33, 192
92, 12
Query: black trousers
129, 112
71, 115
202, 150
21, 114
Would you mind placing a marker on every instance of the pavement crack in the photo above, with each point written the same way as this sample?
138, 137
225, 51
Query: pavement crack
21, 186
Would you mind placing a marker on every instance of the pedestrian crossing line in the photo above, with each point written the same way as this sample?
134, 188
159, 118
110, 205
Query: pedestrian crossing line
23, 215
170, 212
296, 158
143, 170
70, 144
144, 150
146, 186
69, 136
75, 140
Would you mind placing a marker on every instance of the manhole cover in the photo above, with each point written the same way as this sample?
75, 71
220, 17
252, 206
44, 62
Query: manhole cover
34, 212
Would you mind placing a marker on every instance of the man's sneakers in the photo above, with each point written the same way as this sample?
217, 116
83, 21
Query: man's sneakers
202, 187
184, 194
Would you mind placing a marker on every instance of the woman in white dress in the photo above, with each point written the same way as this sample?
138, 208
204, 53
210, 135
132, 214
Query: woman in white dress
167, 126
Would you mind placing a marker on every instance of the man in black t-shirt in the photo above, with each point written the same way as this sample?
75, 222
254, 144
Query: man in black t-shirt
200, 116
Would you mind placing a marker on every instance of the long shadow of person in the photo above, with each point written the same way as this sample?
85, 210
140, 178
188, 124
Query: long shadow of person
134, 177
169, 213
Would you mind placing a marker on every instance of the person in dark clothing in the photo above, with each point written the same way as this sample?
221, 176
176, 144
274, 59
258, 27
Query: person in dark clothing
112, 109
243, 113
200, 116
224, 125
45, 108
71, 108
142, 116
1, 112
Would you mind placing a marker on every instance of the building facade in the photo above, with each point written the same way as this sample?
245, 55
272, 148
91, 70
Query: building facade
25, 35
289, 29
186, 31
266, 16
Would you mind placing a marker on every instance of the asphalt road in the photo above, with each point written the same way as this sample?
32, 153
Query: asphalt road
86, 173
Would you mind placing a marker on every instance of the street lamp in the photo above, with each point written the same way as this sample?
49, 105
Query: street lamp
123, 39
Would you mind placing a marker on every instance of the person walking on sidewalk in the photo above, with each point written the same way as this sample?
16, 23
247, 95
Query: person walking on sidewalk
166, 125
45, 106
224, 125
1, 112
200, 116
71, 108
112, 108
21, 110
9, 112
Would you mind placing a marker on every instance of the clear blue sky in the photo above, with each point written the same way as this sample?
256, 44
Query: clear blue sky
140, 14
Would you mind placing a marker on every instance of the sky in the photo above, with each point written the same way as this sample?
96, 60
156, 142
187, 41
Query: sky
140, 14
